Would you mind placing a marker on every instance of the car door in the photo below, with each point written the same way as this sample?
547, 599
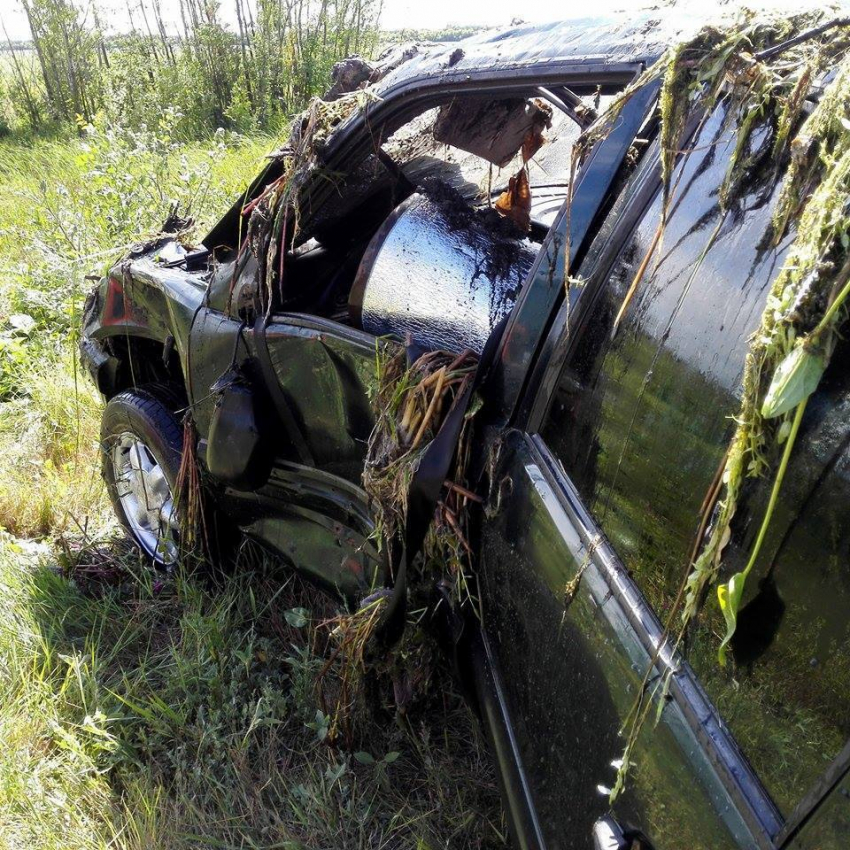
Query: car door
318, 373
308, 506
327, 371
319, 516
594, 512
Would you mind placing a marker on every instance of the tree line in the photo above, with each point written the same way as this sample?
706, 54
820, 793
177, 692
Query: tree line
278, 56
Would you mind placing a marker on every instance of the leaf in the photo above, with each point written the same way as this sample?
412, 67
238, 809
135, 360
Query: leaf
364, 758
335, 772
389, 758
296, 617
22, 322
794, 380
729, 596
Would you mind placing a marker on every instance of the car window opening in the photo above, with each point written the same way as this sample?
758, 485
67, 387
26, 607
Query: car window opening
433, 232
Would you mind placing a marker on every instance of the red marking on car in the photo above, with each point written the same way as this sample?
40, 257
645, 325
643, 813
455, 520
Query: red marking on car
353, 565
117, 309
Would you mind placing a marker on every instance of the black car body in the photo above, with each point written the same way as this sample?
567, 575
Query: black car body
605, 445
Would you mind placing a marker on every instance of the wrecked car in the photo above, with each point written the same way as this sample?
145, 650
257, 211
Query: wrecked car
506, 220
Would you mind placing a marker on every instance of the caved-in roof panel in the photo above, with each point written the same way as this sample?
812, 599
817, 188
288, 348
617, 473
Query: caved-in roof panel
616, 39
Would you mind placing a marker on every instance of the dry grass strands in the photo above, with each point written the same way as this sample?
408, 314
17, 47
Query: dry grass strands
352, 634
94, 565
189, 496
274, 216
411, 402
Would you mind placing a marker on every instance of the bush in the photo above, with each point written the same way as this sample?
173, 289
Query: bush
212, 77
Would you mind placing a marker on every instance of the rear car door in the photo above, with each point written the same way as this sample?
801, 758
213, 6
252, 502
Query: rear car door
595, 511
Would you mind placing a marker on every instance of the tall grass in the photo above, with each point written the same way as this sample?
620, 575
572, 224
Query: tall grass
67, 209
136, 714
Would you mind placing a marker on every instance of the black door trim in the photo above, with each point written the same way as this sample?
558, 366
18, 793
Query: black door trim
816, 796
531, 318
496, 720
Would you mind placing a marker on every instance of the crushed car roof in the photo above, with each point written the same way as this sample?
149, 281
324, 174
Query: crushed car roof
610, 41
614, 39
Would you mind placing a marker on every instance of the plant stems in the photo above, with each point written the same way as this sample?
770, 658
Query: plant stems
833, 309
777, 484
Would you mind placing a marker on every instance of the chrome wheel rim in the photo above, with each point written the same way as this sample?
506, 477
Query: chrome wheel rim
146, 498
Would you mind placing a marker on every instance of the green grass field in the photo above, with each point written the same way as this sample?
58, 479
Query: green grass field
137, 712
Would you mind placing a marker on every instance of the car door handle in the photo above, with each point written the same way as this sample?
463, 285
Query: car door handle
609, 835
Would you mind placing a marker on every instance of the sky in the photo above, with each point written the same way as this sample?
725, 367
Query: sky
418, 14
397, 14
432, 14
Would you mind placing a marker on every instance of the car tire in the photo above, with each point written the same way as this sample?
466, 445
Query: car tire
141, 442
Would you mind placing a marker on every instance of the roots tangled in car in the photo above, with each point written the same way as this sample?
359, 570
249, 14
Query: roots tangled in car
190, 494
273, 217
411, 402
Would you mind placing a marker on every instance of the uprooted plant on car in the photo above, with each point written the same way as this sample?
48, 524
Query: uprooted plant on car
411, 402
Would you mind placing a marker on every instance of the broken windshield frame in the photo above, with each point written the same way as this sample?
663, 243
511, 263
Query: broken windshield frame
544, 289
361, 134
